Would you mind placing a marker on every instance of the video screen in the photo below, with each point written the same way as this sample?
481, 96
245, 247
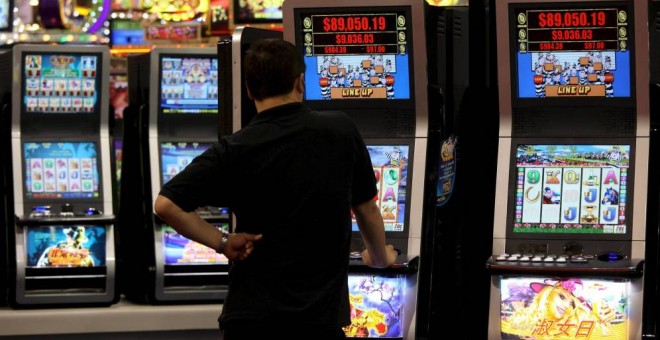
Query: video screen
126, 33
65, 246
377, 306
390, 164
571, 189
179, 250
6, 10
60, 83
61, 170
564, 308
573, 51
357, 56
188, 85
257, 11
176, 156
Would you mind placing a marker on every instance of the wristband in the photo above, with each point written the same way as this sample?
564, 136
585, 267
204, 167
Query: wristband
223, 243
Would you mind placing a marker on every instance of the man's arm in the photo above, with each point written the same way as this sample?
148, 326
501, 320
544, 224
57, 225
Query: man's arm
372, 229
195, 228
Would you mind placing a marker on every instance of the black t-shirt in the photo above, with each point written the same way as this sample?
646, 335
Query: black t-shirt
292, 175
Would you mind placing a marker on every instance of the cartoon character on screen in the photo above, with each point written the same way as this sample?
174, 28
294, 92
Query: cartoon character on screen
69, 252
550, 196
556, 311
196, 74
364, 321
324, 81
395, 157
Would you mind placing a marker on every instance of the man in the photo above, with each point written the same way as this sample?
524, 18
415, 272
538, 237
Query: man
291, 177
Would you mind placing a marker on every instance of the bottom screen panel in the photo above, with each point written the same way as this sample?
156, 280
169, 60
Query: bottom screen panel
377, 306
564, 308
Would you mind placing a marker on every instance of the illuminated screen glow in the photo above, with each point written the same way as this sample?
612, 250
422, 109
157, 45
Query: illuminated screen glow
179, 250
61, 170
256, 11
566, 308
65, 246
571, 189
377, 306
568, 52
176, 156
188, 85
356, 55
61, 83
5, 14
390, 163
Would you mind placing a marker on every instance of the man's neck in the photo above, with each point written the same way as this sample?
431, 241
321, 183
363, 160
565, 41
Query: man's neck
269, 103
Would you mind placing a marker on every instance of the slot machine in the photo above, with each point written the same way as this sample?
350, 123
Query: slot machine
368, 60
652, 264
61, 225
172, 117
570, 213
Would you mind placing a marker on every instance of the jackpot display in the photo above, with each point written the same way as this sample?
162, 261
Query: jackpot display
572, 51
188, 85
356, 55
60, 83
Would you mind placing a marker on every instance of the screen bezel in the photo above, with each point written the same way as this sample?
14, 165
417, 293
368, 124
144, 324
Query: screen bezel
546, 102
99, 161
353, 104
161, 57
98, 86
411, 151
630, 204
236, 6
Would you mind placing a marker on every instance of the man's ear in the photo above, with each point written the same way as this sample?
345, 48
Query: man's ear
249, 94
300, 83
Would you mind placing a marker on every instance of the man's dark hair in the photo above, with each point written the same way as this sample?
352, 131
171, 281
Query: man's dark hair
271, 66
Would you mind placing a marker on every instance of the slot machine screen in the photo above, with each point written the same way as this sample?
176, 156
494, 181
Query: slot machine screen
126, 32
188, 84
572, 191
61, 170
6, 17
356, 57
568, 52
60, 82
179, 250
65, 246
392, 164
175, 156
257, 12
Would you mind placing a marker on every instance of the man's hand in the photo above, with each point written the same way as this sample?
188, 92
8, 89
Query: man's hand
240, 245
392, 254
